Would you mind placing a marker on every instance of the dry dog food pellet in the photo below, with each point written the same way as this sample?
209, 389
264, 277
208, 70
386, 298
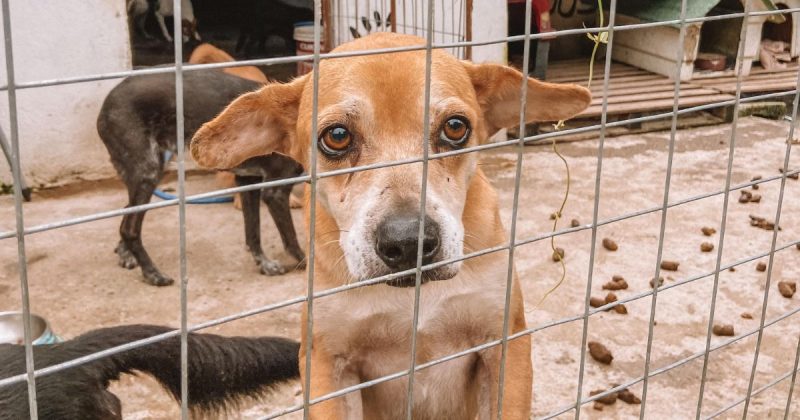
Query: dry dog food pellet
732, 269
792, 176
754, 179
628, 397
558, 254
609, 244
706, 247
660, 282
605, 399
761, 266
621, 309
747, 315
745, 197
787, 288
600, 353
598, 406
725, 330
553, 216
797, 246
611, 297
761, 222
708, 231
669, 265
575, 223
596, 302
756, 198
616, 283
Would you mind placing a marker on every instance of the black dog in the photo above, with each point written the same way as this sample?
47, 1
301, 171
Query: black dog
222, 370
137, 125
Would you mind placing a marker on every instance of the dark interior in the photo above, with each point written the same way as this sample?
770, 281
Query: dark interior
259, 28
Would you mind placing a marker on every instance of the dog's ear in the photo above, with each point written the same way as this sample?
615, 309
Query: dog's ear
255, 124
498, 89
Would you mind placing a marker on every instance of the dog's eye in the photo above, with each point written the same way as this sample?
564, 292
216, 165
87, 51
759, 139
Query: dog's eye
455, 131
335, 141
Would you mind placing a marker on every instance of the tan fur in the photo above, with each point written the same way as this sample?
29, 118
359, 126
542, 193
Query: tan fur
365, 333
208, 54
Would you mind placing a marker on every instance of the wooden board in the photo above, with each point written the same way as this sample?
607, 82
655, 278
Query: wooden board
636, 91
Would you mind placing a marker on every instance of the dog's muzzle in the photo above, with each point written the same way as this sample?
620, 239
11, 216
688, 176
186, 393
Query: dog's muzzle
397, 245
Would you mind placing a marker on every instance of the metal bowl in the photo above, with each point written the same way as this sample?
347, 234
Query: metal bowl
12, 332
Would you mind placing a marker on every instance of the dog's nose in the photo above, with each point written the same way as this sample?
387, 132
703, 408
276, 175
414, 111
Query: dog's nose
397, 240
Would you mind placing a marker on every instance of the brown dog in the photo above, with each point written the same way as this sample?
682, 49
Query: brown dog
371, 110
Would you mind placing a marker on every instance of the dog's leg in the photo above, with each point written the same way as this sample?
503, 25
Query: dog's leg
518, 372
326, 377
277, 201
139, 192
160, 20
252, 227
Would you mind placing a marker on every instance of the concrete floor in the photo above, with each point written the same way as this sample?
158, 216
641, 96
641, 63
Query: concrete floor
76, 284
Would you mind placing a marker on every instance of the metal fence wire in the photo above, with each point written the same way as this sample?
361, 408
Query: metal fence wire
313, 176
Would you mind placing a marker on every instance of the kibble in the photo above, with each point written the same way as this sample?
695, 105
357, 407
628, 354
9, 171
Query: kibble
669, 265
610, 245
600, 353
787, 288
616, 283
575, 223
628, 397
754, 179
598, 406
660, 282
761, 266
747, 315
792, 176
621, 309
607, 399
558, 254
706, 247
745, 197
725, 330
596, 302
708, 231
611, 297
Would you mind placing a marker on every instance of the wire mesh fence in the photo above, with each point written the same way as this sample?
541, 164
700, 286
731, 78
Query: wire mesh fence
428, 19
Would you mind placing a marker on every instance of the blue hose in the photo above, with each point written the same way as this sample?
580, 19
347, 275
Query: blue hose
211, 200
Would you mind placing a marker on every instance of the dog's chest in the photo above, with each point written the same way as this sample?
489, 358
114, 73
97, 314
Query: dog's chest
370, 330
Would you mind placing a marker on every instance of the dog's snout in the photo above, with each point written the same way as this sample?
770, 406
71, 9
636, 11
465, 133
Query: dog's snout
397, 241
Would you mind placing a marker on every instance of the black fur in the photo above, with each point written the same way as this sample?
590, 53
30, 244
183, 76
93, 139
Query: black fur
222, 370
137, 125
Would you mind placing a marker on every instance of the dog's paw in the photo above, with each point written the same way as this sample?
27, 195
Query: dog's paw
126, 258
271, 268
154, 278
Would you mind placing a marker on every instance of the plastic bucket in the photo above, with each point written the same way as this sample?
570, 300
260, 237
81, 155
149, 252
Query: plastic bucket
304, 44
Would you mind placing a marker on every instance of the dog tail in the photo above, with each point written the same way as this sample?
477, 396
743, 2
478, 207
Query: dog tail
221, 370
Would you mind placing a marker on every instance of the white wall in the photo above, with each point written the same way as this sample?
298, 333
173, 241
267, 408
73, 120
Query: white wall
55, 39
489, 23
